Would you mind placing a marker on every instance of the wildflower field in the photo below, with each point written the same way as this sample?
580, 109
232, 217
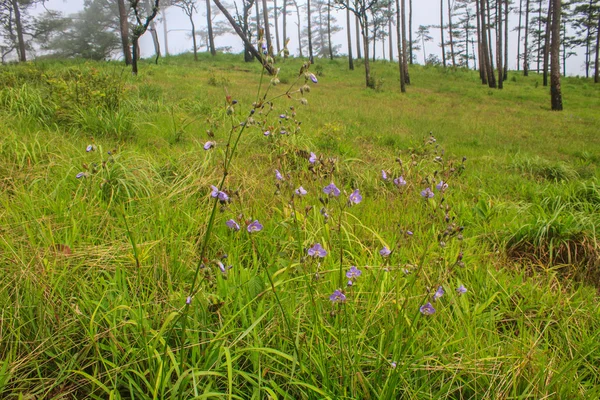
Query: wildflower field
206, 231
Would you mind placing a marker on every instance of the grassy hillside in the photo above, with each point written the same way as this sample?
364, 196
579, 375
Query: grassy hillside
122, 278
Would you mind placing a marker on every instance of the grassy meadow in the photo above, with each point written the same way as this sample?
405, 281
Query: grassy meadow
122, 277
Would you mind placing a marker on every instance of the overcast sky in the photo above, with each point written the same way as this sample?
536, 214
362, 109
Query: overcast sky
425, 12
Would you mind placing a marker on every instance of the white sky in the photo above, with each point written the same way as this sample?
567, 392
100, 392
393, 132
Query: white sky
425, 12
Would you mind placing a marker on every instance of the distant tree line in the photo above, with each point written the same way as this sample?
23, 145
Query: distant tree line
472, 33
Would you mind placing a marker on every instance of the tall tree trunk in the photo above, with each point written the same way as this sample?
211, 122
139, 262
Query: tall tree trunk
358, 37
285, 38
491, 80
258, 24
499, 44
265, 11
124, 31
390, 41
442, 32
490, 45
299, 25
505, 74
374, 40
277, 45
467, 40
547, 43
165, 30
480, 58
588, 40
310, 48
400, 52
194, 38
211, 38
451, 33
350, 61
155, 41
555, 92
597, 58
364, 30
330, 47
519, 35
410, 31
404, 44
539, 58
135, 56
242, 36
526, 47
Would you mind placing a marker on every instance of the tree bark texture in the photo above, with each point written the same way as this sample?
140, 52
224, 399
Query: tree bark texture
350, 61
124, 32
555, 92
442, 32
211, 38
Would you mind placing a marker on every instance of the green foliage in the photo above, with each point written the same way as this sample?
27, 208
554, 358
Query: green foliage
96, 270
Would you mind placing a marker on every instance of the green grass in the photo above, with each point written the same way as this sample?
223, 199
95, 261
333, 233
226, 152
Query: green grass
95, 271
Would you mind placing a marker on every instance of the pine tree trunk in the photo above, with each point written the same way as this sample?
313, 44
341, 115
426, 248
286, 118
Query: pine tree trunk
310, 48
526, 47
410, 31
482, 71
194, 38
442, 32
597, 59
539, 58
400, 52
155, 41
519, 35
451, 33
358, 35
404, 44
588, 41
276, 26
499, 44
285, 38
555, 92
547, 42
135, 56
391, 45
124, 31
330, 47
487, 60
505, 74
350, 60
265, 11
165, 31
490, 45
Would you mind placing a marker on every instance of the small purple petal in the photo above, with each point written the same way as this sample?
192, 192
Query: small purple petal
355, 197
427, 193
278, 175
188, 300
384, 175
317, 251
80, 175
209, 145
461, 289
399, 181
353, 273
89, 148
301, 191
313, 158
438, 293
442, 186
255, 226
331, 189
266, 133
385, 252
313, 78
337, 297
231, 224
427, 309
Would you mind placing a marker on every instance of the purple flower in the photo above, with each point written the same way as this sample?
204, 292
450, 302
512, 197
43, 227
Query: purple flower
355, 197
222, 196
393, 364
264, 45
353, 273
313, 158
384, 175
313, 78
221, 266
442, 186
461, 290
255, 226
80, 175
188, 300
385, 252
282, 116
324, 213
400, 181
266, 133
231, 224
350, 283
209, 145
89, 148
409, 233
301, 191
337, 297
438, 293
278, 175
331, 189
427, 309
317, 251
427, 193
